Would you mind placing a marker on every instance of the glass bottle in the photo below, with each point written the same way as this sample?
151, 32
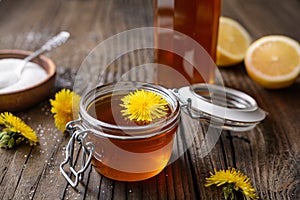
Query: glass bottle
198, 19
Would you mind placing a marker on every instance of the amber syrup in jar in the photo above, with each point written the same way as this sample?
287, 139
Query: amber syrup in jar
131, 151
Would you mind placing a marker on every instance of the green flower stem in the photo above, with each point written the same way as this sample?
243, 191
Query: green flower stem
10, 139
229, 192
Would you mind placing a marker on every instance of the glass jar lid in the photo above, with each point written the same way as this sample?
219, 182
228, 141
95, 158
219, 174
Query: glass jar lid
237, 110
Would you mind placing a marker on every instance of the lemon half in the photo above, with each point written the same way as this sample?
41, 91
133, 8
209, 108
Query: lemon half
273, 61
233, 41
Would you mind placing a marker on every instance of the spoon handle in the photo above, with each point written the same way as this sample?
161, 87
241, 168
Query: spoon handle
54, 42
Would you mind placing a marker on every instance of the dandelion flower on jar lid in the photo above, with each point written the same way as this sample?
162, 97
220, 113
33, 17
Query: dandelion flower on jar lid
144, 106
64, 107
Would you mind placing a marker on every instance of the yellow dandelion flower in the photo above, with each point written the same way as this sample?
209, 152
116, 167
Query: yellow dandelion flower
144, 106
14, 129
64, 107
234, 181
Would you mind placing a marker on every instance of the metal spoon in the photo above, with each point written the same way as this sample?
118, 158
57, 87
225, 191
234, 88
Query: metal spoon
10, 77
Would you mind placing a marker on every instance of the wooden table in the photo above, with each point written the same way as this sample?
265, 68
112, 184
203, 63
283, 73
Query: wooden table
269, 154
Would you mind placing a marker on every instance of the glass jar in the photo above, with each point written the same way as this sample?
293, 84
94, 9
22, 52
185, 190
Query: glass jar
117, 150
131, 152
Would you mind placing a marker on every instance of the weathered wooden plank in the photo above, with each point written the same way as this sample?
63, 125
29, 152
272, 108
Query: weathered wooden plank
269, 154
264, 152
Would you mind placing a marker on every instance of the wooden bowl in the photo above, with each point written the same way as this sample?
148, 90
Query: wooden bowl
22, 99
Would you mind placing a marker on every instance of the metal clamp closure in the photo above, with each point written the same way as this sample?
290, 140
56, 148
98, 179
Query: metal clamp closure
228, 108
87, 147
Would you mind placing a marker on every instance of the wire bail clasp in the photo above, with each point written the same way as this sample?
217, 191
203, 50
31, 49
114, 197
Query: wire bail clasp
221, 107
78, 135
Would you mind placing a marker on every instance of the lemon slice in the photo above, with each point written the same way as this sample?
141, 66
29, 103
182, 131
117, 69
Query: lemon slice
273, 61
233, 41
